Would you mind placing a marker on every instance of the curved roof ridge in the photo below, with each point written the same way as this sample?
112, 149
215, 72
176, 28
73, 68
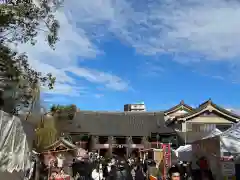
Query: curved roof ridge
176, 107
205, 104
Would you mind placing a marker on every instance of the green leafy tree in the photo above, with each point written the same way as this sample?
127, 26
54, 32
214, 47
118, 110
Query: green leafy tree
46, 133
64, 111
20, 22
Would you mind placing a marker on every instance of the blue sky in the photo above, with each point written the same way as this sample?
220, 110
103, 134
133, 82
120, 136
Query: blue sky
113, 52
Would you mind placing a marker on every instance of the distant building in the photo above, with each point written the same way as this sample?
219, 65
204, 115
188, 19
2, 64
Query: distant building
195, 123
130, 131
118, 133
135, 107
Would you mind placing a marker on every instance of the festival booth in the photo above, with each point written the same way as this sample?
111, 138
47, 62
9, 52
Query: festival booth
184, 153
15, 147
59, 158
162, 158
218, 151
156, 167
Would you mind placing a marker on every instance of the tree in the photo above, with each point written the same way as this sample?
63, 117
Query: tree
19, 82
20, 22
63, 112
46, 133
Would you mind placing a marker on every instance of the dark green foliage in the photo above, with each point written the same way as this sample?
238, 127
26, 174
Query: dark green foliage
20, 22
64, 112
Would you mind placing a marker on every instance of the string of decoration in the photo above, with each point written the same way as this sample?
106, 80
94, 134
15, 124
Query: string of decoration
50, 151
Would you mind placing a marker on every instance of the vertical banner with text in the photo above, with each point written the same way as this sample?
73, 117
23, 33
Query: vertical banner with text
167, 158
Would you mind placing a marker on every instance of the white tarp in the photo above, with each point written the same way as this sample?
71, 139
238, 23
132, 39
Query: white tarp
15, 144
184, 153
213, 133
187, 147
230, 140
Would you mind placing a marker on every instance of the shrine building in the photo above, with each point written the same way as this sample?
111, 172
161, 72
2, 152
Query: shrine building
119, 132
127, 132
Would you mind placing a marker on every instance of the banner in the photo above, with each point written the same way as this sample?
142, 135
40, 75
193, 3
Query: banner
167, 158
158, 155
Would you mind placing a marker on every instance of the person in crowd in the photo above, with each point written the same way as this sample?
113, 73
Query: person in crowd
175, 176
113, 173
206, 175
189, 175
121, 170
96, 174
105, 171
74, 169
174, 173
139, 173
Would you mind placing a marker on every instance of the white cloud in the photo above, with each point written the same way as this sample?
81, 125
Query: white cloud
109, 80
208, 27
98, 96
76, 43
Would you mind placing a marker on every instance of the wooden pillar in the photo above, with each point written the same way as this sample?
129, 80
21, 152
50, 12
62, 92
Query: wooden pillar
110, 142
145, 142
94, 142
129, 145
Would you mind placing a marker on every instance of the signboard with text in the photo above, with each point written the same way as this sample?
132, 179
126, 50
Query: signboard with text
228, 167
167, 158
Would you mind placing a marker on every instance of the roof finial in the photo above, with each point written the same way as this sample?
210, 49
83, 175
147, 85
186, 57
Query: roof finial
182, 102
209, 101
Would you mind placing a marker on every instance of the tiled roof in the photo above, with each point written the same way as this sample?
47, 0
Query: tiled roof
178, 106
118, 123
60, 142
205, 105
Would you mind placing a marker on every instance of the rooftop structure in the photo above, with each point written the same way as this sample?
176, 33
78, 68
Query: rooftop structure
135, 107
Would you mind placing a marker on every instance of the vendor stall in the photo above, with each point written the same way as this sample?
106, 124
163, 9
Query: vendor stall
214, 148
162, 158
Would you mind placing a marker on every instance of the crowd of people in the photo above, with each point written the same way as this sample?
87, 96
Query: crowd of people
96, 167
184, 171
115, 168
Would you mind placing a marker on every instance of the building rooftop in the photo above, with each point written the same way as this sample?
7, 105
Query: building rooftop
117, 123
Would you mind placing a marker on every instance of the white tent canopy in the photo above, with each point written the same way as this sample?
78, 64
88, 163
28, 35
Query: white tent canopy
213, 133
187, 147
230, 140
15, 145
184, 153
